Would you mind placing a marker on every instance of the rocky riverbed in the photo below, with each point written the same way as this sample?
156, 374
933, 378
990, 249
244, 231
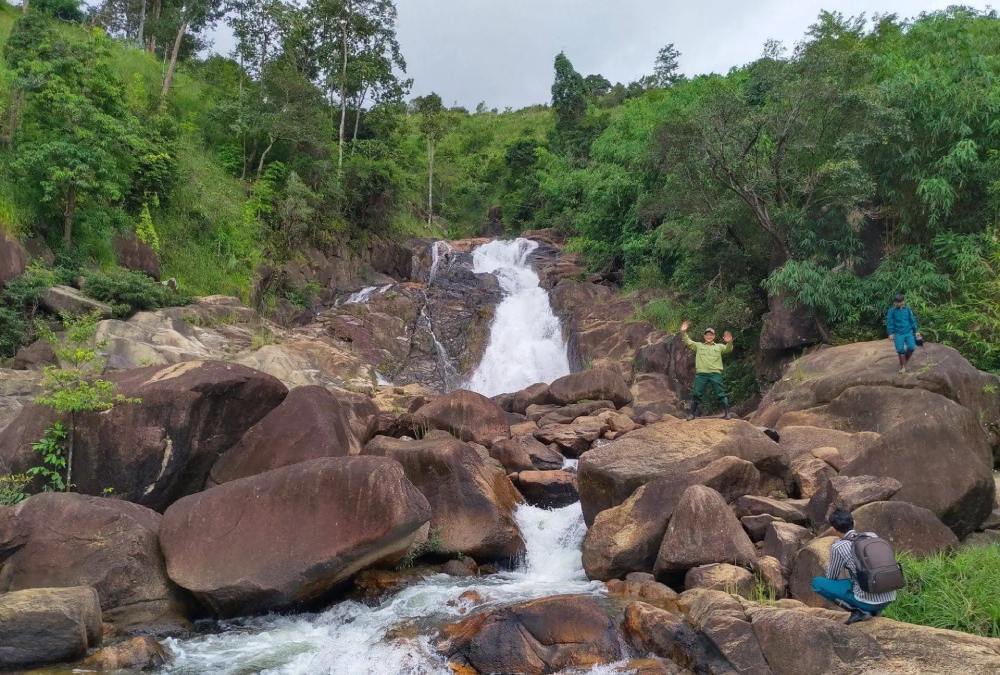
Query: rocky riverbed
499, 507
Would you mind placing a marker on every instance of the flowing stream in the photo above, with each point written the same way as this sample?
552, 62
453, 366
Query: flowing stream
525, 346
526, 341
352, 638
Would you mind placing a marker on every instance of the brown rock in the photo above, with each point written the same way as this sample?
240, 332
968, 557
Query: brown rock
213, 540
48, 625
756, 526
535, 412
783, 541
134, 255
310, 423
35, 356
135, 654
831, 456
538, 636
471, 499
907, 527
61, 300
645, 590
754, 505
611, 473
467, 416
652, 393
657, 631
772, 575
810, 474
158, 450
721, 618
721, 577
598, 384
574, 439
921, 650
811, 561
68, 539
13, 259
617, 422
627, 537
703, 530
567, 413
849, 492
787, 325
803, 440
526, 428
796, 642
513, 453
548, 489
536, 394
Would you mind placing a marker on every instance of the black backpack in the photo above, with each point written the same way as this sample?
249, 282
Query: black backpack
877, 569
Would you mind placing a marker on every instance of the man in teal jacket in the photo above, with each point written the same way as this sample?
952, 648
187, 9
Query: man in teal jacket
707, 366
901, 324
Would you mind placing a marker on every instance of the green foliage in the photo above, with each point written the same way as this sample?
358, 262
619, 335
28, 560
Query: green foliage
67, 10
957, 591
18, 306
52, 451
14, 488
145, 231
129, 292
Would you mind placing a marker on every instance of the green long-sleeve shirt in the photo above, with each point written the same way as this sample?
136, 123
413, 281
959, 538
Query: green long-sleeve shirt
708, 358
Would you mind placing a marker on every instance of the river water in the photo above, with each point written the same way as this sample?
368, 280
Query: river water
526, 346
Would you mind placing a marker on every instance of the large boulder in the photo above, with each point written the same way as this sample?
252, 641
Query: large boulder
47, 625
310, 423
721, 577
471, 498
534, 637
67, 300
787, 325
136, 255
291, 536
13, 259
574, 438
937, 423
161, 448
467, 416
654, 393
925, 650
702, 530
796, 642
783, 541
626, 538
547, 489
907, 527
536, 394
567, 413
849, 492
653, 630
598, 384
811, 561
524, 453
67, 539
133, 655
611, 473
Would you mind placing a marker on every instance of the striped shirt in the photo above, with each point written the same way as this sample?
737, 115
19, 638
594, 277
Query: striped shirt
842, 558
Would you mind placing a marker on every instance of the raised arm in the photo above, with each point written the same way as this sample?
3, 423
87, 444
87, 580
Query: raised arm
727, 338
691, 344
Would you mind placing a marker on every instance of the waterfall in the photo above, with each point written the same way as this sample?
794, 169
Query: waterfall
526, 344
352, 638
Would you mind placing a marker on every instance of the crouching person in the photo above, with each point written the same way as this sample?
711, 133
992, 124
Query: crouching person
873, 575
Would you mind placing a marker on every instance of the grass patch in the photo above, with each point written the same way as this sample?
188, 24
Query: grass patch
957, 591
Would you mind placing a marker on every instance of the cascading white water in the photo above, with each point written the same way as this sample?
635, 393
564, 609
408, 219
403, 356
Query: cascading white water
526, 342
351, 638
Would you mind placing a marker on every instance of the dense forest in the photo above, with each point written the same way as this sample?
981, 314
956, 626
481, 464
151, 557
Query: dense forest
863, 160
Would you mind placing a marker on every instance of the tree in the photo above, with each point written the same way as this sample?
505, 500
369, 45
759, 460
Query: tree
598, 86
188, 15
74, 387
569, 100
666, 71
433, 126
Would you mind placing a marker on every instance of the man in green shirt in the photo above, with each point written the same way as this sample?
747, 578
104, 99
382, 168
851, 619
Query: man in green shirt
707, 366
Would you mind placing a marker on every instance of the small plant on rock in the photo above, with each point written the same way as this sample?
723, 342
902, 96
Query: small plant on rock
14, 488
72, 388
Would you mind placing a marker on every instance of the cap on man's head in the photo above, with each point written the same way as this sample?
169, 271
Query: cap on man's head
709, 330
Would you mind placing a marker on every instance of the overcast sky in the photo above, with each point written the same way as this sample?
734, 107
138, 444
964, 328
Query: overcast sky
501, 51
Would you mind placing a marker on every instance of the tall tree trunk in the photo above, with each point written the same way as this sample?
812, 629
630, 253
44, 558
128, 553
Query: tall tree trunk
151, 43
13, 116
263, 155
168, 79
357, 116
430, 181
343, 92
142, 24
24, 6
69, 212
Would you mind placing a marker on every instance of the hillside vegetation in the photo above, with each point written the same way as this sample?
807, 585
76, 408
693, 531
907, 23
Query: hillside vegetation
863, 161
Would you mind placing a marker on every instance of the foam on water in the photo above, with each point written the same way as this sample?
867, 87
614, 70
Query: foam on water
526, 342
351, 638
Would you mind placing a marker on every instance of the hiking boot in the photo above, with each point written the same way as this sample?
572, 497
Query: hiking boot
856, 616
902, 369
727, 415
690, 416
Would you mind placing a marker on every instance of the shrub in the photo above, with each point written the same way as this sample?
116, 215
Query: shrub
957, 591
129, 292
18, 306
13, 488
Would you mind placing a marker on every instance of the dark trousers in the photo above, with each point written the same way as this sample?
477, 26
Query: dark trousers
705, 380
